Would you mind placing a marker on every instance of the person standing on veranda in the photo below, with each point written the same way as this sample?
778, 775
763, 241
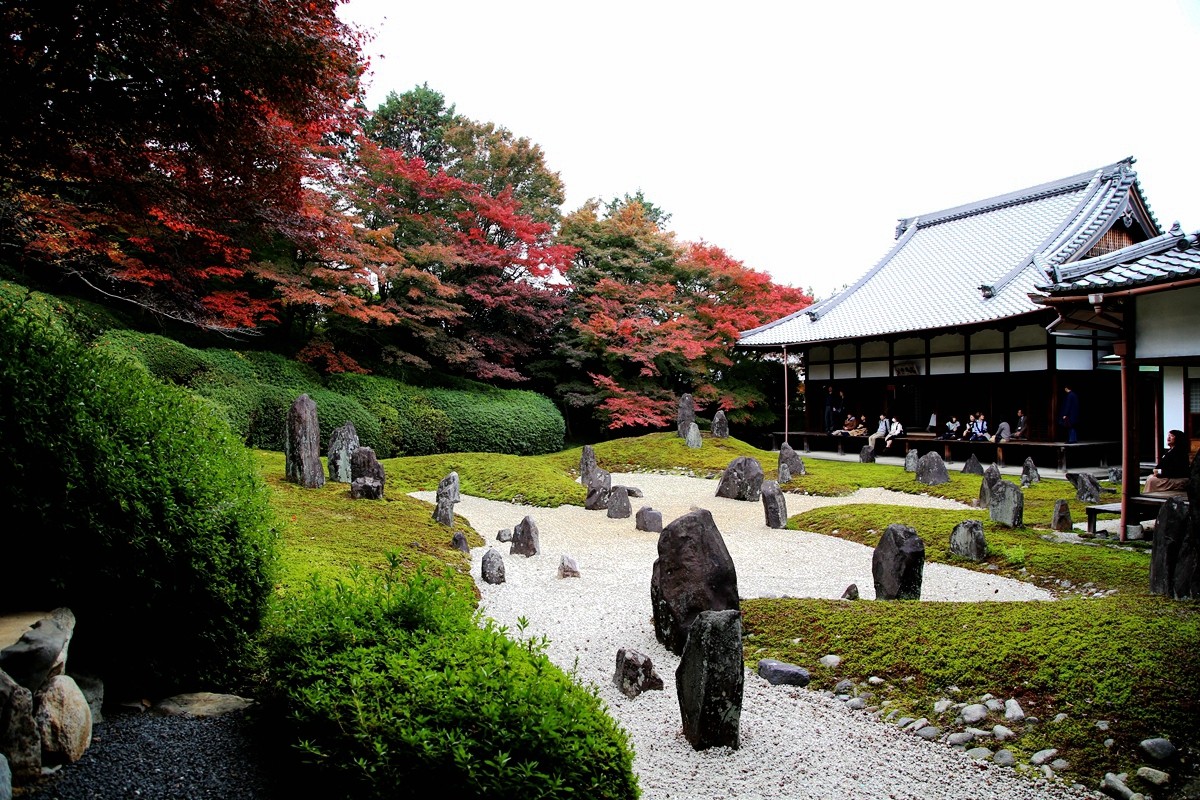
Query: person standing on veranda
1070, 415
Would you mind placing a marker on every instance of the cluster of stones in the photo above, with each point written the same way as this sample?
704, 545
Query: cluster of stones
348, 461
688, 429
46, 715
979, 727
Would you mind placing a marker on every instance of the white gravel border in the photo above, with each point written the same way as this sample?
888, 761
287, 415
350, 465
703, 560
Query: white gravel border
794, 743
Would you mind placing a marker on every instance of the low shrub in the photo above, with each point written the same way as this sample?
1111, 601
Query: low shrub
491, 420
133, 504
395, 686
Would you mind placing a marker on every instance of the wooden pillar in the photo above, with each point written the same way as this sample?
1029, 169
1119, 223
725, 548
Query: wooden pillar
1131, 474
786, 430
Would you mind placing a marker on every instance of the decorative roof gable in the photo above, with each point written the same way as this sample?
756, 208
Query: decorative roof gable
974, 263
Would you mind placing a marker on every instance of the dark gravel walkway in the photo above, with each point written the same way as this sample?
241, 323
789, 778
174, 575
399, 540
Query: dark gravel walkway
152, 757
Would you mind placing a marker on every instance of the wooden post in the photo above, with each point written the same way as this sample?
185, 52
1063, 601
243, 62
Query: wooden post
1131, 474
785, 393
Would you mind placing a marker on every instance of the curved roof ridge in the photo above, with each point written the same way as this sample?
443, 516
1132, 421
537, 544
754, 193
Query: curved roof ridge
1038, 192
1099, 213
1159, 244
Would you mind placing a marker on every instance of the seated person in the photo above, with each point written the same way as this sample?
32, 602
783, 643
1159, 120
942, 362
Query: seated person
969, 429
953, 429
861, 428
880, 430
1003, 432
1022, 431
848, 425
980, 431
895, 431
1172, 473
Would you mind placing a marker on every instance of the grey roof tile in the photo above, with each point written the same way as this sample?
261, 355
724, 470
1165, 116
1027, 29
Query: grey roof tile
933, 276
1170, 257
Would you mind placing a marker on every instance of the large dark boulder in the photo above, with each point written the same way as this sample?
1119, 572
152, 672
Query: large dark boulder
898, 564
1173, 568
693, 572
492, 567
867, 454
931, 470
991, 476
41, 652
342, 444
1087, 488
448, 494
972, 466
742, 479
302, 444
910, 461
648, 519
1029, 473
366, 489
1060, 520
774, 505
780, 673
364, 464
710, 679
635, 673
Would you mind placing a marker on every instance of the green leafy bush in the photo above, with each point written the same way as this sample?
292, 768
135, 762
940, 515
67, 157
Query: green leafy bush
500, 421
411, 425
132, 503
394, 686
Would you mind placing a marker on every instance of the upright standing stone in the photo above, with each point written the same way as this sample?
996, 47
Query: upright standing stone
599, 488
693, 572
19, 737
910, 461
931, 470
720, 425
972, 466
342, 444
742, 479
1029, 473
447, 495
791, 459
1061, 520
898, 564
693, 438
648, 519
1173, 567
525, 539
618, 504
587, 465
459, 542
687, 415
785, 473
302, 444
867, 454
1007, 505
492, 568
774, 505
991, 477
709, 680
967, 540
64, 721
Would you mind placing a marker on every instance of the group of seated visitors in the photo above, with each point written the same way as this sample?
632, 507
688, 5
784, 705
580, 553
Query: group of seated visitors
853, 426
976, 429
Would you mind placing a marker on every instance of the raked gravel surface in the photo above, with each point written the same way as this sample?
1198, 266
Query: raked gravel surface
794, 743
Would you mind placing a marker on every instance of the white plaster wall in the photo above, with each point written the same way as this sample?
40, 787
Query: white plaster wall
946, 365
1073, 359
875, 369
1027, 361
992, 362
844, 371
817, 372
1173, 399
1168, 324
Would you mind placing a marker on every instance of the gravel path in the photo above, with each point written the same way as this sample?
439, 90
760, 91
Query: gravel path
794, 742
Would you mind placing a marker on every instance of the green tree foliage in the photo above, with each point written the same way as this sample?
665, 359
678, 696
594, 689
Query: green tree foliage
131, 503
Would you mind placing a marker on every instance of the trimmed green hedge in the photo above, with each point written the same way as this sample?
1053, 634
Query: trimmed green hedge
253, 390
393, 687
130, 502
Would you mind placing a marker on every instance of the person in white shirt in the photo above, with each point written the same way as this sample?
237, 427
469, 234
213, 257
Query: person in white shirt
894, 430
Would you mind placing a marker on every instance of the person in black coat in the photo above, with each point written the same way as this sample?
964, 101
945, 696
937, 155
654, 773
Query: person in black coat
1172, 472
1070, 415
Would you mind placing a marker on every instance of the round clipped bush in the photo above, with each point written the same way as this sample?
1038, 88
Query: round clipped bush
393, 686
500, 421
132, 503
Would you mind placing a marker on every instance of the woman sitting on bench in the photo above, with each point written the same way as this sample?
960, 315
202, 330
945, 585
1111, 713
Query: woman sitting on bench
1172, 473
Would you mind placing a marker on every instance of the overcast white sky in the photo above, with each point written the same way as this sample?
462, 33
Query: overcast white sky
794, 135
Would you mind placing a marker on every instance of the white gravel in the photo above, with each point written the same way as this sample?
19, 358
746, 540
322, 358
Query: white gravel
794, 743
